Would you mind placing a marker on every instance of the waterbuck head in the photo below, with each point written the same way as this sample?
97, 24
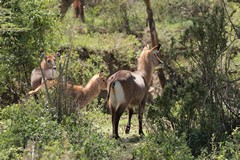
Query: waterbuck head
102, 81
147, 61
150, 56
49, 62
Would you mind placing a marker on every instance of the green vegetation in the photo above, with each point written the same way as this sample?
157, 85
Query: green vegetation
196, 115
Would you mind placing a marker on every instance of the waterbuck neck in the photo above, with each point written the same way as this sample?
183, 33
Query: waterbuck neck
43, 65
145, 68
92, 88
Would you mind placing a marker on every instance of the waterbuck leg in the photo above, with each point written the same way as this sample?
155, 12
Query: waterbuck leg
35, 96
140, 118
119, 113
130, 113
113, 113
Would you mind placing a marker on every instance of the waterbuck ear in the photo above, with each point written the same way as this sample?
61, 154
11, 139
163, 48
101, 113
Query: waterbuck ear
101, 74
156, 47
146, 48
57, 54
159, 46
42, 55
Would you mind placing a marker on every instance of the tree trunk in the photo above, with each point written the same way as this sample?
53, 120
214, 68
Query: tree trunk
154, 39
123, 9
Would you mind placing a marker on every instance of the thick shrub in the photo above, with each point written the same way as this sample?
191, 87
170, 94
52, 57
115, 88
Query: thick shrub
26, 29
86, 142
31, 130
23, 124
227, 149
200, 98
121, 16
99, 147
163, 145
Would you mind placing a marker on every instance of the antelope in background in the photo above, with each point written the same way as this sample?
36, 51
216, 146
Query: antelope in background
126, 88
48, 67
81, 95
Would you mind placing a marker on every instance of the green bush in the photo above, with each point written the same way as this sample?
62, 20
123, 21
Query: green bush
194, 101
227, 149
116, 16
174, 11
99, 147
30, 130
120, 47
24, 123
86, 142
163, 145
93, 65
27, 27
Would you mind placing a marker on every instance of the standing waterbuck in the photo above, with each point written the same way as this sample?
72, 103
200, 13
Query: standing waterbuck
126, 88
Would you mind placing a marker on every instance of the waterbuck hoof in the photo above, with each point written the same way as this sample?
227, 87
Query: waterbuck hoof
141, 134
127, 130
115, 136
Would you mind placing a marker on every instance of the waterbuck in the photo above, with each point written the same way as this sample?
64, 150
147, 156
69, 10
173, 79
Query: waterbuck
82, 95
49, 71
126, 88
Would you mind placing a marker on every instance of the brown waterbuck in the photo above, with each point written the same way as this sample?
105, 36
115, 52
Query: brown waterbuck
126, 88
48, 71
81, 95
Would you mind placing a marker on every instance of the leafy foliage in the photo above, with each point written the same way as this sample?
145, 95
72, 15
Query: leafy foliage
29, 130
25, 30
228, 149
117, 47
195, 102
111, 16
163, 145
24, 123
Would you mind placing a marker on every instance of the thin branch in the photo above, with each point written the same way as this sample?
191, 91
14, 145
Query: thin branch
229, 18
229, 45
232, 81
229, 108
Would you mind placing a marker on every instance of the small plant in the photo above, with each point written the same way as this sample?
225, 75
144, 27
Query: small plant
163, 145
111, 16
25, 123
99, 147
227, 149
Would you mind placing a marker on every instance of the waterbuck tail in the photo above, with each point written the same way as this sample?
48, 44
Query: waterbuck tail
112, 84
